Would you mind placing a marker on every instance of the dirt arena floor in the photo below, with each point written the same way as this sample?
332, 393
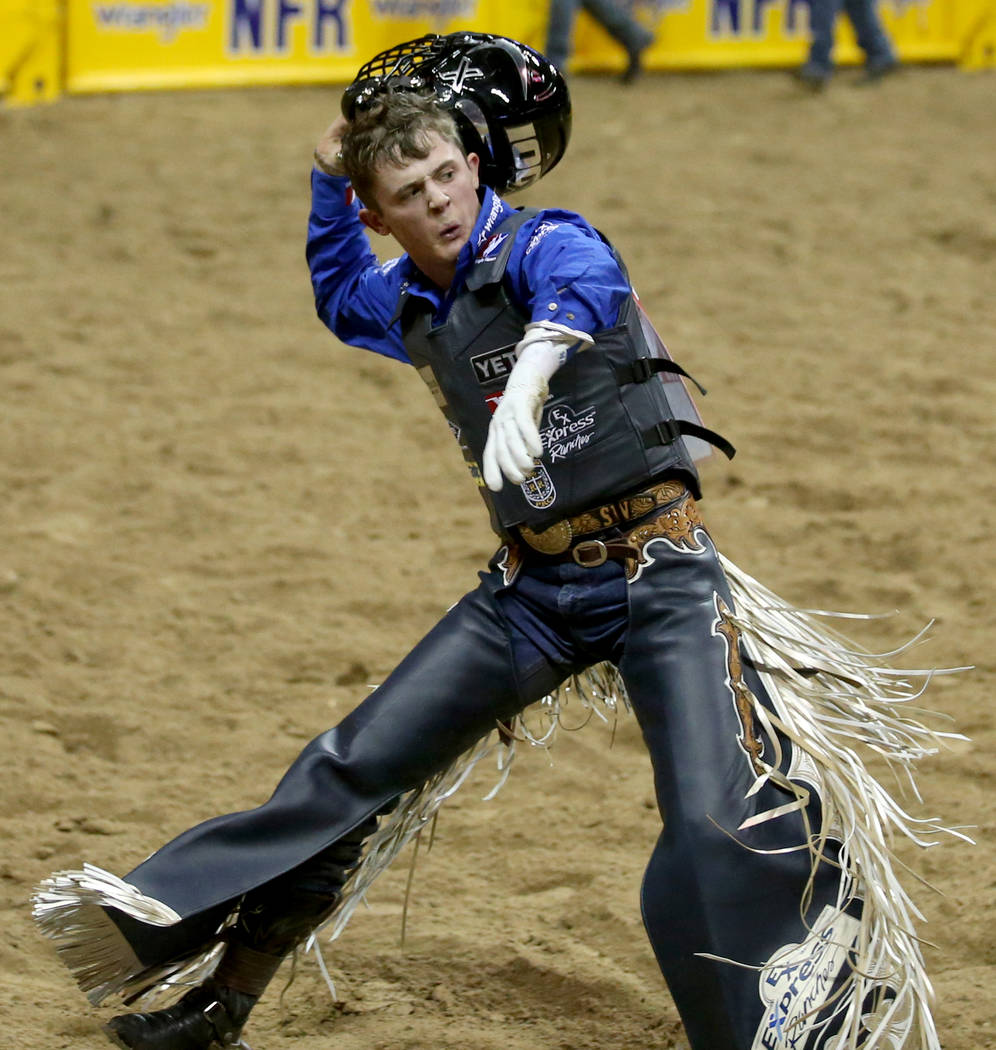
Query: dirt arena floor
219, 525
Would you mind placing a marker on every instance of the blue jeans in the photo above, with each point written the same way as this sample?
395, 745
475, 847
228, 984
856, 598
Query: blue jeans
867, 28
615, 18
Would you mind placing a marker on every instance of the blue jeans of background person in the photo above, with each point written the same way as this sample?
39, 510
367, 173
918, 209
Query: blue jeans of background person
867, 28
615, 18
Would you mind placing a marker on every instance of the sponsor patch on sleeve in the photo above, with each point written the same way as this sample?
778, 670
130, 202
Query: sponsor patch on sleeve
540, 232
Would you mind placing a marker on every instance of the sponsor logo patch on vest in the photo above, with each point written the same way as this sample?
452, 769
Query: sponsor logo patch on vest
490, 250
494, 365
538, 488
567, 431
798, 978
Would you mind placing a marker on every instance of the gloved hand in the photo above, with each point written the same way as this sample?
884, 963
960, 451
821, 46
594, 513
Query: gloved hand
514, 443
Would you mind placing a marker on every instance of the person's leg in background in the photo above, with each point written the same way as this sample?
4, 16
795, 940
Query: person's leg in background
880, 57
560, 31
818, 68
617, 22
623, 27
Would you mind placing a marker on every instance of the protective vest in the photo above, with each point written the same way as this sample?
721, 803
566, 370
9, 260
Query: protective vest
607, 426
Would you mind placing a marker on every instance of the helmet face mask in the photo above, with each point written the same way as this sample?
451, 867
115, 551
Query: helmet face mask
511, 105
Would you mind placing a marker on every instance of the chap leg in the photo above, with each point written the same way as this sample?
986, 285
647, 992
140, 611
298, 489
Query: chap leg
446, 695
703, 891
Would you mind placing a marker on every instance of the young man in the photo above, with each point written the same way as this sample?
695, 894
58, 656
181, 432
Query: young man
525, 328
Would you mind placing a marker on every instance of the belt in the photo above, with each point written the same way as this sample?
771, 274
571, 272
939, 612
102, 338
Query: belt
591, 553
560, 537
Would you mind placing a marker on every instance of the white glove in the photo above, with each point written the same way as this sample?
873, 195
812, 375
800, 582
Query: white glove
514, 443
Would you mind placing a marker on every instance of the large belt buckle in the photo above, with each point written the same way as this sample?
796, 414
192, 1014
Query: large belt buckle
554, 540
589, 554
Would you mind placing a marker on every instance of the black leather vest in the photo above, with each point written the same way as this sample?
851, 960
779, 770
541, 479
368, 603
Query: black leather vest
607, 426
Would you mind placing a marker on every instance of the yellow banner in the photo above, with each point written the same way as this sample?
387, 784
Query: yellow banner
715, 34
129, 44
118, 44
30, 51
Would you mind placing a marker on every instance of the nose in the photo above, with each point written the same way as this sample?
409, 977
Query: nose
437, 198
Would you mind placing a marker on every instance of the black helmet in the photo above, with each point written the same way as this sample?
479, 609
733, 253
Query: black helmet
511, 104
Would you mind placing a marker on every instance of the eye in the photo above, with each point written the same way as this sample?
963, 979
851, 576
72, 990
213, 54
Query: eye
447, 174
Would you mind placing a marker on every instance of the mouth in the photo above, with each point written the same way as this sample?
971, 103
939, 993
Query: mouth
451, 232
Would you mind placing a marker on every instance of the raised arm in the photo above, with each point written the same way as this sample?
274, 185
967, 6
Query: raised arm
355, 295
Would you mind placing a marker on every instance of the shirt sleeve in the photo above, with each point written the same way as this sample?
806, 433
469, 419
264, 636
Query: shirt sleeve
564, 272
355, 295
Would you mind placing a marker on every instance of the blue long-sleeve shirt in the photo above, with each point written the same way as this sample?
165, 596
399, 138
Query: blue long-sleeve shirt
559, 270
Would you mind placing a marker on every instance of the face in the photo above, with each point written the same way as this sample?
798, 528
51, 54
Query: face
429, 206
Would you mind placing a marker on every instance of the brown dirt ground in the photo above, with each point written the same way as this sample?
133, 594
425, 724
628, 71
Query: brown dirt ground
219, 525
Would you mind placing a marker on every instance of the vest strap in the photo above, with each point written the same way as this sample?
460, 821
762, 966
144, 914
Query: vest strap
644, 368
669, 430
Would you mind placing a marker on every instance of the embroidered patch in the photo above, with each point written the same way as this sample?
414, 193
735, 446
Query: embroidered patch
490, 250
539, 233
538, 488
494, 365
567, 431
798, 978
489, 223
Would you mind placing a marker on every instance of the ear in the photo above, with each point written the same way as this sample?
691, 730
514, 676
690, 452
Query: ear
373, 221
474, 163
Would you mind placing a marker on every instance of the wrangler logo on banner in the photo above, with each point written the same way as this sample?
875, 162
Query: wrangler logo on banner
164, 19
437, 10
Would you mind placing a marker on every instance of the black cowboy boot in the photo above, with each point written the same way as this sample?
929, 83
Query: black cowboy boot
273, 920
210, 1015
